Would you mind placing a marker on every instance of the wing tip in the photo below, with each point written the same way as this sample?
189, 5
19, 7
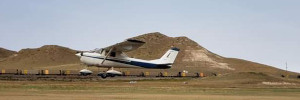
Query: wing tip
176, 49
135, 41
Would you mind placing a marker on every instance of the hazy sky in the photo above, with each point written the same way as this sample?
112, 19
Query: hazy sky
264, 31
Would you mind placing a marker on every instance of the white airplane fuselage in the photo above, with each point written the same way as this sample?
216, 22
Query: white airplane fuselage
96, 59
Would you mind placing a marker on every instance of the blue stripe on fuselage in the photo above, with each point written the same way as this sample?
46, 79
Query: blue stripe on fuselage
136, 63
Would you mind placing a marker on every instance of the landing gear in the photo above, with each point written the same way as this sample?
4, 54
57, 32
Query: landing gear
85, 72
110, 73
103, 75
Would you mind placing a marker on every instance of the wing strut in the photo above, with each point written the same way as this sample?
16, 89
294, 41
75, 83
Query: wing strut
107, 55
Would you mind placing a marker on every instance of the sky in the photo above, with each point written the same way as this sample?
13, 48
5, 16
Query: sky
263, 31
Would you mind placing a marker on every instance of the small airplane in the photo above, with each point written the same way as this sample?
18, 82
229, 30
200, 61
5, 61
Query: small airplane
114, 57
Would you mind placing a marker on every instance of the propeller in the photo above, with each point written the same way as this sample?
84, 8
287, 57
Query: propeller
79, 53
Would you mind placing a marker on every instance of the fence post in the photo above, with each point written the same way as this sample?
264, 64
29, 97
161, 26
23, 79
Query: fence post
147, 74
165, 74
3, 71
127, 73
201, 75
25, 72
183, 74
46, 72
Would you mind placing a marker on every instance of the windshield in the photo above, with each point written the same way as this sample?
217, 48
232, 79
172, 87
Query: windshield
97, 50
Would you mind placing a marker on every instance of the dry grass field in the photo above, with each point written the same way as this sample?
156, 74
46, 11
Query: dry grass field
163, 89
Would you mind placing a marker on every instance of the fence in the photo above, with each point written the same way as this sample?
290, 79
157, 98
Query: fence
76, 72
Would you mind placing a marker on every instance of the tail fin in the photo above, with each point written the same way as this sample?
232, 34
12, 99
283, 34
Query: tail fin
170, 56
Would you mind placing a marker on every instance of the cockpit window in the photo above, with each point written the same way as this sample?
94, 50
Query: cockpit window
113, 54
100, 51
97, 51
124, 54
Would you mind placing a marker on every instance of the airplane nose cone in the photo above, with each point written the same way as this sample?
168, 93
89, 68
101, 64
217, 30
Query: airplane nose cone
78, 54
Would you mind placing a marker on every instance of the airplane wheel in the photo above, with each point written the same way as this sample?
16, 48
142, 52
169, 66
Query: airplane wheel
103, 76
83, 74
112, 75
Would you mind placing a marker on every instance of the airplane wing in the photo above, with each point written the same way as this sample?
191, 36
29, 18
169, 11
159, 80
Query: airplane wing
127, 45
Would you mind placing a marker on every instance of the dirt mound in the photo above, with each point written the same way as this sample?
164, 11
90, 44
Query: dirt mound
48, 55
4, 53
191, 56
194, 57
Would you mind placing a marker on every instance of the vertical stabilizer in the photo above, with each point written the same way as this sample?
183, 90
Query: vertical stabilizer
170, 56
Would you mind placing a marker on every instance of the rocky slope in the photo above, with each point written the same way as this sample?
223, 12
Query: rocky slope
194, 57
